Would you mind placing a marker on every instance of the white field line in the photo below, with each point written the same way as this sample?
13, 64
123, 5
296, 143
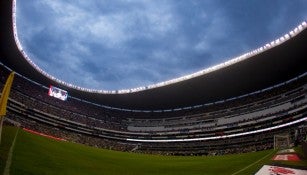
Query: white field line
9, 157
253, 163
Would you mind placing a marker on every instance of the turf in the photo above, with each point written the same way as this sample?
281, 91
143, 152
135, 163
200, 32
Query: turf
6, 141
39, 155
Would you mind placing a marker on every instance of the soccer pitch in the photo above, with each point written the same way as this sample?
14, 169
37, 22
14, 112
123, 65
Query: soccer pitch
34, 154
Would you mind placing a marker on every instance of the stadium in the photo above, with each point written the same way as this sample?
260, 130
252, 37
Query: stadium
188, 125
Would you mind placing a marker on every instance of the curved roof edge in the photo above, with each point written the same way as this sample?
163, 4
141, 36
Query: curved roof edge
230, 62
283, 60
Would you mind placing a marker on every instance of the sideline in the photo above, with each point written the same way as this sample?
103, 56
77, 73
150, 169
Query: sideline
254, 163
9, 157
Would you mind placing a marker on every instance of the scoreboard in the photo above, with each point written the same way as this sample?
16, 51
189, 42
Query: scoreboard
57, 93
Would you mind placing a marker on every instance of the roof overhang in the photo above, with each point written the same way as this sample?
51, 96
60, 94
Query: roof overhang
273, 66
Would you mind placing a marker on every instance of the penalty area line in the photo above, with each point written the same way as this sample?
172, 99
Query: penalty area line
9, 157
253, 163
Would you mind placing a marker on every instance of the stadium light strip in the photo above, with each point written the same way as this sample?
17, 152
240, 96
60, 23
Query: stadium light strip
219, 137
267, 46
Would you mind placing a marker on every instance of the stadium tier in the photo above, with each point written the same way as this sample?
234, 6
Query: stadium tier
237, 106
240, 125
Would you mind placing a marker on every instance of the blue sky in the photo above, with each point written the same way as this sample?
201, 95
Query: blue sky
121, 44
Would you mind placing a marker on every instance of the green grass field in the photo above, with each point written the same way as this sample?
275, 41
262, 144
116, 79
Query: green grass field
38, 155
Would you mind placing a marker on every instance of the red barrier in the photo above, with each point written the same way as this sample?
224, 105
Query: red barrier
286, 157
42, 134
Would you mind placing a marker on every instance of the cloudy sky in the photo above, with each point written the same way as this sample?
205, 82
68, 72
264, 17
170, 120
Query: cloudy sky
120, 44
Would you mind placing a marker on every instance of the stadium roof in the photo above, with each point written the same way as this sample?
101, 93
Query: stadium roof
272, 64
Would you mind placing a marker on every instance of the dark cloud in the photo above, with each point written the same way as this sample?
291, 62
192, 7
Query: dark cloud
122, 44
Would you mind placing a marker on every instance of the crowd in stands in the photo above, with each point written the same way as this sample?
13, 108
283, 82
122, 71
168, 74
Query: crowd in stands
71, 136
86, 123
